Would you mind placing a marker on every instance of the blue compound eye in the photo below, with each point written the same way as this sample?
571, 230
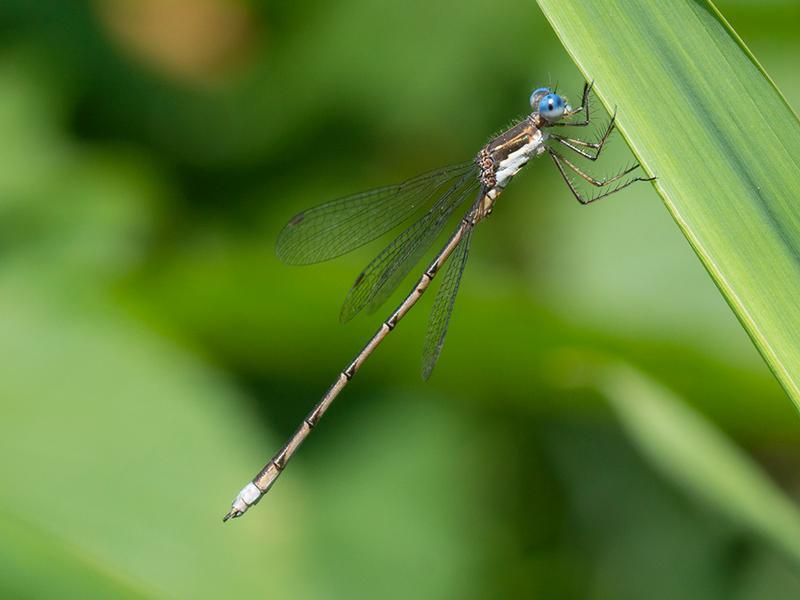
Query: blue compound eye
538, 95
552, 107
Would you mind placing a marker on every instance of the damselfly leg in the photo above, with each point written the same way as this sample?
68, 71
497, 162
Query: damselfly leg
584, 149
576, 145
561, 161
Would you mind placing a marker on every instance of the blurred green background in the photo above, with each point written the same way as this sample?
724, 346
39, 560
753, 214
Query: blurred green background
155, 353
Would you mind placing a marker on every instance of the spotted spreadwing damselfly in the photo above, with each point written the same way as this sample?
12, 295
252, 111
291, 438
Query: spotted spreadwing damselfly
339, 226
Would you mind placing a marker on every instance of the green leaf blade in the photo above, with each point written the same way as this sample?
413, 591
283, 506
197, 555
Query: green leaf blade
702, 116
690, 450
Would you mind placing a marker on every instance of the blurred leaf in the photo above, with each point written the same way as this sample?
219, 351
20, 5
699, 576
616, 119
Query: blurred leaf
118, 442
129, 448
404, 465
643, 540
25, 553
692, 452
64, 211
701, 114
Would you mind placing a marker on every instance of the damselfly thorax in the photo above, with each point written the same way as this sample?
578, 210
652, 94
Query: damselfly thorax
339, 226
504, 156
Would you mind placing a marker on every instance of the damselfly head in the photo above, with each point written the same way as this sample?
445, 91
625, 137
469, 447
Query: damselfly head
552, 107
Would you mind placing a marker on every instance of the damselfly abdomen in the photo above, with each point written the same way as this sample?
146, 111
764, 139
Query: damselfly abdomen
342, 225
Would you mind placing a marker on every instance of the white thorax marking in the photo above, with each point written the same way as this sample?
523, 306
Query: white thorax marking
519, 158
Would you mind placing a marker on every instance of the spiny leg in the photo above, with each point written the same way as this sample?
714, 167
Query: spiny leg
575, 145
561, 161
584, 108
596, 182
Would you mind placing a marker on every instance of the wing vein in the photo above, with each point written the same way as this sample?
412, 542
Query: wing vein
339, 226
387, 270
443, 305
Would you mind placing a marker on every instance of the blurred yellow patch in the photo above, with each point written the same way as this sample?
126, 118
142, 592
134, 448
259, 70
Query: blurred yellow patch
198, 41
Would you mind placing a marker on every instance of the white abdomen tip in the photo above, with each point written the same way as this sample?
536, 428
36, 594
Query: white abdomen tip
249, 495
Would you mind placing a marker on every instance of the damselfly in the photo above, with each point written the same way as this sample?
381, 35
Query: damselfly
339, 226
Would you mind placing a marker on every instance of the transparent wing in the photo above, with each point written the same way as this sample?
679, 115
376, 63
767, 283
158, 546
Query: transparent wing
443, 305
341, 225
380, 278
406, 263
